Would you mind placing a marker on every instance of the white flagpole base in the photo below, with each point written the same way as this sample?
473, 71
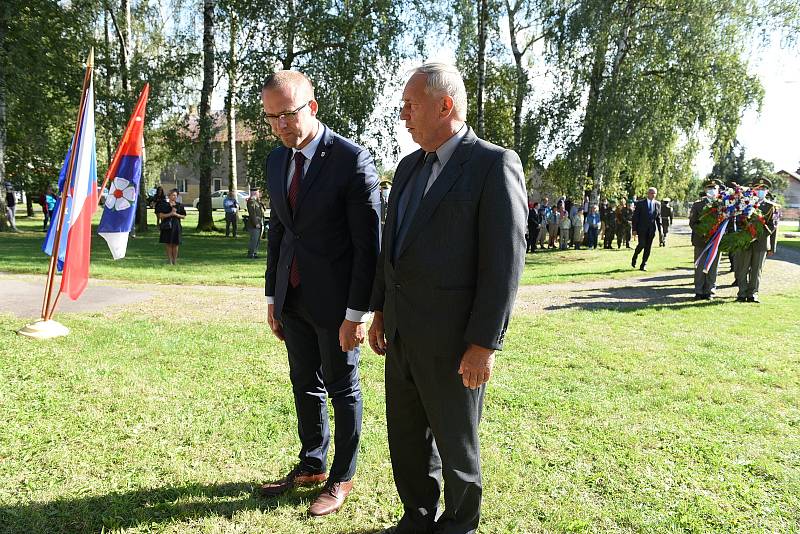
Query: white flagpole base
44, 330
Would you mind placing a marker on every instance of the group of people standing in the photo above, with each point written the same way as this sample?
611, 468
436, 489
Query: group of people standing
569, 225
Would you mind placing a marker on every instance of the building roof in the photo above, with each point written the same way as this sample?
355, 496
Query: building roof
790, 173
244, 133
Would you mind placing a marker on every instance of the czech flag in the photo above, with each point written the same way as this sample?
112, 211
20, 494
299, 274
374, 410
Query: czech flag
81, 203
124, 175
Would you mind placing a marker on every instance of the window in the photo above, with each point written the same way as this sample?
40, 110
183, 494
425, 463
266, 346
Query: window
180, 184
217, 184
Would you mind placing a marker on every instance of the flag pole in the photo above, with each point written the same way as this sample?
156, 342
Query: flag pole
47, 311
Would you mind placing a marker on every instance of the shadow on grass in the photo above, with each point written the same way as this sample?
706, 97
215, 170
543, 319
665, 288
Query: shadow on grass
144, 507
676, 295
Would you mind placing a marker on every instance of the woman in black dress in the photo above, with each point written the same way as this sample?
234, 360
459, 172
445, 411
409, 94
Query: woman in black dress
170, 212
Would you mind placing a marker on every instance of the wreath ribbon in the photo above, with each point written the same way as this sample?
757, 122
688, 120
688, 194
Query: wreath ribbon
712, 248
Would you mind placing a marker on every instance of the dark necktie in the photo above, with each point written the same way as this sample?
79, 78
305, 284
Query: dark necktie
294, 189
412, 197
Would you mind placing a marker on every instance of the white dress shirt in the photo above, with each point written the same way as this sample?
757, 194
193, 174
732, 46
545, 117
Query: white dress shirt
308, 151
443, 154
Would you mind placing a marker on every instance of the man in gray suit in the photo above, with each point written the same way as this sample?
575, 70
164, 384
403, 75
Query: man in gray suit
704, 283
452, 256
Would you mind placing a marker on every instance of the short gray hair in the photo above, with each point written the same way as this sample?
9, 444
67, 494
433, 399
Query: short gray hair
443, 78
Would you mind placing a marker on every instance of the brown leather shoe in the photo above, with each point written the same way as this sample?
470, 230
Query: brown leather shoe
296, 477
331, 499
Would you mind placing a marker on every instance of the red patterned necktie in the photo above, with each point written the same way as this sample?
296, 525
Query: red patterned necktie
294, 189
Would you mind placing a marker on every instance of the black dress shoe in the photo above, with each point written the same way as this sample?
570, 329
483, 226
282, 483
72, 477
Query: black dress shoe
642, 268
633, 263
708, 296
698, 296
741, 299
753, 299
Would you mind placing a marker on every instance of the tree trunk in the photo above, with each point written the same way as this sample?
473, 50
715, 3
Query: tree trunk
590, 119
107, 82
521, 88
231, 105
205, 221
483, 15
288, 57
4, 226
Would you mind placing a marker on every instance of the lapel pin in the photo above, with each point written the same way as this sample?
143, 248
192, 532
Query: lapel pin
322, 154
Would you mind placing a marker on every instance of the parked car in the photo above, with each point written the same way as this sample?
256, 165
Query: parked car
218, 196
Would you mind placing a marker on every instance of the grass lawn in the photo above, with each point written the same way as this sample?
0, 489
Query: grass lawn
665, 419
210, 258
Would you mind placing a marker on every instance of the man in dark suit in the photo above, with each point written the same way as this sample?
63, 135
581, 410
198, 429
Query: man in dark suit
323, 242
646, 222
453, 252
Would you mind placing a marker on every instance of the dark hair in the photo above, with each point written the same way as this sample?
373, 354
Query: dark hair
174, 190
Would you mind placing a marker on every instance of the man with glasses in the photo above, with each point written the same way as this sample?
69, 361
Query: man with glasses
322, 246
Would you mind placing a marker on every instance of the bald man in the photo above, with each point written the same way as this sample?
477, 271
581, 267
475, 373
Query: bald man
322, 247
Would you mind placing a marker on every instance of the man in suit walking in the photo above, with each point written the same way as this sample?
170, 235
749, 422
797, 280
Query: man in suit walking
646, 221
323, 242
453, 252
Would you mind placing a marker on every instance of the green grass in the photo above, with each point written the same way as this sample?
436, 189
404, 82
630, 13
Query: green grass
793, 243
682, 418
555, 266
204, 257
209, 258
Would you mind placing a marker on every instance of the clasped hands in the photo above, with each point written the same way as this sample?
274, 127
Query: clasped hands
476, 363
351, 334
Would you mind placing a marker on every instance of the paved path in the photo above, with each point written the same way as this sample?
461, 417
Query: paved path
23, 295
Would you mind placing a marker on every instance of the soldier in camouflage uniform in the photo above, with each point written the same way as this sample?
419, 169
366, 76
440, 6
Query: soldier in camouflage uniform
610, 220
666, 222
624, 214
750, 262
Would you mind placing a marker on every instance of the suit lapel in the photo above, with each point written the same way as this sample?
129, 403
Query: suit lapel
317, 162
444, 182
279, 172
402, 178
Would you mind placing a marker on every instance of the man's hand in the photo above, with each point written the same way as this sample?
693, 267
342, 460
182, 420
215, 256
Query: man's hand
476, 366
274, 324
770, 253
377, 337
351, 335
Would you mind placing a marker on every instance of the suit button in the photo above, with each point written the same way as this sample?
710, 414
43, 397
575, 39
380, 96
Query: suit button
397, 286
297, 236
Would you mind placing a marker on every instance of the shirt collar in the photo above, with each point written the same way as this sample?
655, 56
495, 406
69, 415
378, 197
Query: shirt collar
311, 148
445, 151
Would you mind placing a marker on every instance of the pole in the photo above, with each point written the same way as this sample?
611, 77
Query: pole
47, 311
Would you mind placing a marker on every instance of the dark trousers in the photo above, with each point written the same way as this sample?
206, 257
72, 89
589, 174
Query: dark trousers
318, 367
591, 237
533, 234
433, 432
231, 221
645, 243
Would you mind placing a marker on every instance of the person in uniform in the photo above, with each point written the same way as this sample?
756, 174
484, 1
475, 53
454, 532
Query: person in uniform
666, 221
255, 221
704, 283
609, 219
623, 219
750, 261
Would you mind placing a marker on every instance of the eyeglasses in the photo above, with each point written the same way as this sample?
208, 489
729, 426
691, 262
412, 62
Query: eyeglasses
286, 115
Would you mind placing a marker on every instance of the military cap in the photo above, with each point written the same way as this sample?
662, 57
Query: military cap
713, 182
761, 182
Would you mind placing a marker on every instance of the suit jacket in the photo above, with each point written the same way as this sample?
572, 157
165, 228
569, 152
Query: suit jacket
643, 221
334, 230
457, 273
